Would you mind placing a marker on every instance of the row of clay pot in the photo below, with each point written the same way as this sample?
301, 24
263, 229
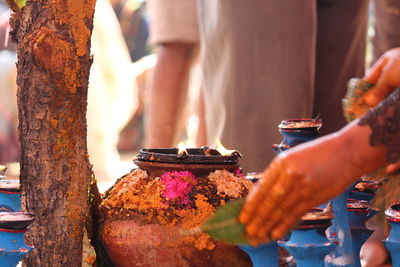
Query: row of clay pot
13, 223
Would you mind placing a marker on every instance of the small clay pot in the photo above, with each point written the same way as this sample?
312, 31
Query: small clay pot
393, 213
16, 220
297, 131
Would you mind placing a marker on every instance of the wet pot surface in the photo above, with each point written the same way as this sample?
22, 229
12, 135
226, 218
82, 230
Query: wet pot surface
130, 244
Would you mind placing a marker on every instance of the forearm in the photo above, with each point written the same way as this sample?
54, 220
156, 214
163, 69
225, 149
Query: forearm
361, 156
312, 173
366, 144
339, 158
370, 142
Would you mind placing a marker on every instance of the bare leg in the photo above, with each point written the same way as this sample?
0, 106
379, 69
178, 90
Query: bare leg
201, 139
167, 93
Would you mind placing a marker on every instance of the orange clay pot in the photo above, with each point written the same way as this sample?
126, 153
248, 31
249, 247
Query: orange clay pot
129, 244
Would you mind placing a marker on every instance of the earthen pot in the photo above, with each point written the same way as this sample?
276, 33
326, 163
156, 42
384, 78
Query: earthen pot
131, 244
142, 238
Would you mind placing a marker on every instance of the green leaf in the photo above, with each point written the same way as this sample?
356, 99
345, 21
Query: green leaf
21, 3
224, 225
16, 5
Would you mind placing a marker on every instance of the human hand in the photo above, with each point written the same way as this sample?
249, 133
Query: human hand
385, 74
300, 179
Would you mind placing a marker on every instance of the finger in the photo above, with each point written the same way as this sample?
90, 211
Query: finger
255, 196
276, 203
382, 87
392, 168
265, 209
375, 71
255, 242
258, 193
301, 203
379, 92
290, 221
292, 218
279, 212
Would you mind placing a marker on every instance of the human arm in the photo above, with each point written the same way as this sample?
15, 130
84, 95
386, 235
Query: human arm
308, 175
314, 172
385, 74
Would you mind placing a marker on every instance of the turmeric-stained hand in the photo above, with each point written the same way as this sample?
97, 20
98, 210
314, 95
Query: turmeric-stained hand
267, 208
298, 180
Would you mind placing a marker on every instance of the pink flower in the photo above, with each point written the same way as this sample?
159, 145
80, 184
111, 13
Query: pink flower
177, 186
239, 172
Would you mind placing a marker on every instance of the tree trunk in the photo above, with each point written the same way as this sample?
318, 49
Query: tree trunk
53, 41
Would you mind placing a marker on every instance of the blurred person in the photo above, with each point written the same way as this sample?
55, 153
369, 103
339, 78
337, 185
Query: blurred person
311, 173
112, 94
131, 15
387, 23
132, 135
132, 18
5, 41
174, 31
9, 146
269, 60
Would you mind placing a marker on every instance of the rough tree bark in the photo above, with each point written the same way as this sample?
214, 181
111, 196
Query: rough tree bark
53, 40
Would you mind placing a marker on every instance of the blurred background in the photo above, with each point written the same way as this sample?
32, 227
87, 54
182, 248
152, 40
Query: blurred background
157, 79
160, 75
146, 83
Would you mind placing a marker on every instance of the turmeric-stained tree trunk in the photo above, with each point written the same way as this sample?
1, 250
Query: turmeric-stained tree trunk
53, 41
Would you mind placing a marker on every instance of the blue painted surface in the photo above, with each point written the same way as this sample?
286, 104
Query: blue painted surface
392, 243
357, 219
394, 249
309, 247
263, 255
10, 259
292, 138
359, 195
10, 201
12, 248
359, 236
340, 233
359, 231
394, 235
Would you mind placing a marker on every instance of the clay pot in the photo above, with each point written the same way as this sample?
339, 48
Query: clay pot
142, 238
130, 244
308, 243
392, 243
297, 131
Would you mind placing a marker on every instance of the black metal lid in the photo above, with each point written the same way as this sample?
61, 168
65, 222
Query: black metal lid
203, 155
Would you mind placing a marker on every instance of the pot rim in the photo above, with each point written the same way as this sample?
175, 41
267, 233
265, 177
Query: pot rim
161, 155
393, 212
